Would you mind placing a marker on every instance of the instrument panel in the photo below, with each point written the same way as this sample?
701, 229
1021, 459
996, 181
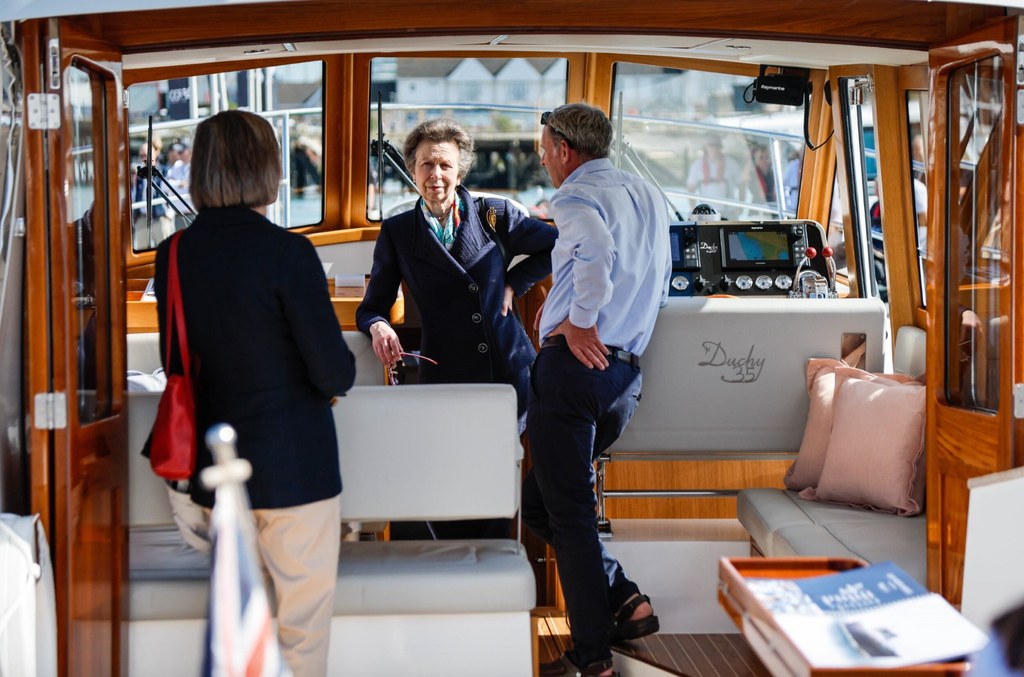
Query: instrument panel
743, 258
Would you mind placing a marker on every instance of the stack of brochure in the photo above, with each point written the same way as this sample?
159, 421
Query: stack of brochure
875, 616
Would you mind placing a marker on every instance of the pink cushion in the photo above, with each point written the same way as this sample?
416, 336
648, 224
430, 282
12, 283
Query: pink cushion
821, 381
805, 471
875, 456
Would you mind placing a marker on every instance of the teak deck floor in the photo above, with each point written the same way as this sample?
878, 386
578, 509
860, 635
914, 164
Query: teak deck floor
696, 655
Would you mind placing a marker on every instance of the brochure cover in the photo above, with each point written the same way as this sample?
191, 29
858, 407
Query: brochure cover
874, 616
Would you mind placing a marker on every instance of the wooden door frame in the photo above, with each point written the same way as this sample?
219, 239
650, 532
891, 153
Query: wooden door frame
78, 471
988, 436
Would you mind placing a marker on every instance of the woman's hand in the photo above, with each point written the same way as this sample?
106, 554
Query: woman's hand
386, 345
510, 298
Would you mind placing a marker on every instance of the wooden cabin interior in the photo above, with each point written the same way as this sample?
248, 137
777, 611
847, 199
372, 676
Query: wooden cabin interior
911, 116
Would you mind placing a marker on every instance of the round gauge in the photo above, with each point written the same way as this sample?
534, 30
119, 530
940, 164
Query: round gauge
783, 282
763, 282
744, 282
680, 283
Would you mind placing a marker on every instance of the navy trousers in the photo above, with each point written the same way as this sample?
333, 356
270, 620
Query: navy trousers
574, 414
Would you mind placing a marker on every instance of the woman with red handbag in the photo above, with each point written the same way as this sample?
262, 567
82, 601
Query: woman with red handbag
268, 356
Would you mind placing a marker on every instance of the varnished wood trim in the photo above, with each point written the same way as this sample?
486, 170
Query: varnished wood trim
895, 190
686, 475
868, 22
961, 443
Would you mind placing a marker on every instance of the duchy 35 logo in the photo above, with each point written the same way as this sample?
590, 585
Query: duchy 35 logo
737, 369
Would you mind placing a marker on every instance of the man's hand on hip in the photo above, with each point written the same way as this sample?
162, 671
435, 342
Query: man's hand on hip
585, 344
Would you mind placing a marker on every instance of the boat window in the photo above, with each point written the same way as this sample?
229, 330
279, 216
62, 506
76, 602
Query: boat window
695, 134
977, 246
88, 211
917, 116
290, 96
499, 101
836, 231
865, 218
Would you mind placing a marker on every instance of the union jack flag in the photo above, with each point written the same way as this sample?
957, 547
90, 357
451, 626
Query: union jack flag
241, 641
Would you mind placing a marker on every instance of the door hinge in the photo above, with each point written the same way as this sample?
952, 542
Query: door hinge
1018, 400
51, 411
43, 111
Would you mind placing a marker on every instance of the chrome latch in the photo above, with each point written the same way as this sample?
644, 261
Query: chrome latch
1018, 400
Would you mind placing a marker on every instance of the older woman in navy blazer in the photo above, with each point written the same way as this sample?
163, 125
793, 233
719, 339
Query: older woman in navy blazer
455, 270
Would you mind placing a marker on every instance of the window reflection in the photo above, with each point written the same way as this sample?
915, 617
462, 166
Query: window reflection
917, 116
977, 250
695, 134
862, 173
89, 214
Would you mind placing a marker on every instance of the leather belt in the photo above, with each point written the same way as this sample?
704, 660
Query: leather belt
615, 353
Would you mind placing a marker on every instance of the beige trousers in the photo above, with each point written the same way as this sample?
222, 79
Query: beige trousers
299, 547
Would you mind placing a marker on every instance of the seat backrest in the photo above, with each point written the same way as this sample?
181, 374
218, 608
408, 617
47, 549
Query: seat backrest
369, 370
348, 258
435, 452
144, 352
144, 356
909, 356
728, 374
147, 494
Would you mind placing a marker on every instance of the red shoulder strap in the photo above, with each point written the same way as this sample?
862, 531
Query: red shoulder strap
175, 309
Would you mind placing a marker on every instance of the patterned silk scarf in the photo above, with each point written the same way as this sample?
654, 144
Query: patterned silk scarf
445, 232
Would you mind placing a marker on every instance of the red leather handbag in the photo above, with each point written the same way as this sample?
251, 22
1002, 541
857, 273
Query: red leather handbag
172, 452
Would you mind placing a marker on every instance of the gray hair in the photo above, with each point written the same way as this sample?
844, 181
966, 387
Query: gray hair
586, 128
440, 130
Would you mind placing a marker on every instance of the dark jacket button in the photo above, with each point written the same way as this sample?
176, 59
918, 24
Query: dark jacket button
474, 288
482, 347
477, 318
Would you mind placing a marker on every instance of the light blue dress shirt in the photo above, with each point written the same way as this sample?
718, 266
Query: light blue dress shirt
611, 262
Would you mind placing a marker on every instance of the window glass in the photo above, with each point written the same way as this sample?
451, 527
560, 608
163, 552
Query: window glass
836, 230
87, 209
289, 96
865, 218
917, 117
498, 101
977, 246
695, 134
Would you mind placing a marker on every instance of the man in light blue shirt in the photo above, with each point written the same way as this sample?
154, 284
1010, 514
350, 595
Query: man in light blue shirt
610, 271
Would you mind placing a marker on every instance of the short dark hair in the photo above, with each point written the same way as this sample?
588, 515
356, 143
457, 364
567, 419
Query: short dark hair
236, 161
584, 127
440, 130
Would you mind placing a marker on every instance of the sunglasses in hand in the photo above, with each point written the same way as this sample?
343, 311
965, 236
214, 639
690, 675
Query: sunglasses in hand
393, 369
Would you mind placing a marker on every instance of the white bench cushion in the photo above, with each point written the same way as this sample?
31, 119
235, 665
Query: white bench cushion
783, 525
171, 581
418, 577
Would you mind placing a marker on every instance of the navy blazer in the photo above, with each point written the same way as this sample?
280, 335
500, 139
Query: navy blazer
271, 355
460, 293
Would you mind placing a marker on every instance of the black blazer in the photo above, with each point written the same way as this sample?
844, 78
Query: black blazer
270, 352
459, 293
